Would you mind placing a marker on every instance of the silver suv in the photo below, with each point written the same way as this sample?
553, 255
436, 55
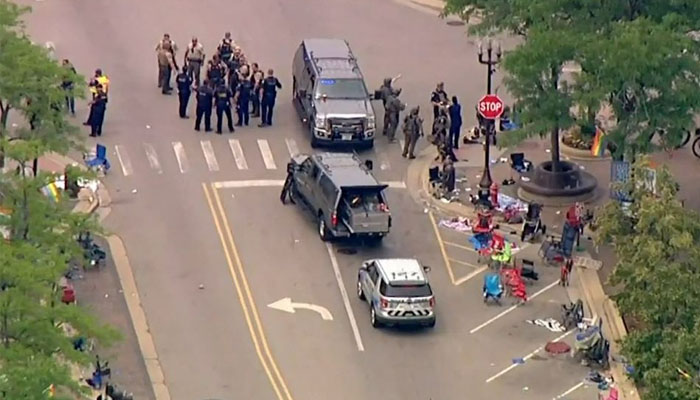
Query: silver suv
330, 95
398, 292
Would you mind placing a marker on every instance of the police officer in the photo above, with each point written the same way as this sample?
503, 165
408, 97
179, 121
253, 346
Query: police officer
438, 98
288, 186
166, 65
184, 85
165, 42
97, 109
205, 96
257, 78
222, 97
216, 71
383, 94
269, 94
243, 93
412, 129
194, 58
225, 49
394, 106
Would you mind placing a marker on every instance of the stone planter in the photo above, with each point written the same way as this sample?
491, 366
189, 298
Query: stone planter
578, 154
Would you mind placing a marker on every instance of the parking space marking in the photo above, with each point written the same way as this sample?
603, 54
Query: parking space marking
459, 246
238, 155
527, 357
441, 244
470, 276
346, 299
209, 156
568, 392
292, 147
182, 162
466, 264
124, 160
511, 308
266, 153
152, 157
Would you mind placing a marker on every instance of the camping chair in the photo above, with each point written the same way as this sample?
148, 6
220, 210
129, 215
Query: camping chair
519, 163
97, 161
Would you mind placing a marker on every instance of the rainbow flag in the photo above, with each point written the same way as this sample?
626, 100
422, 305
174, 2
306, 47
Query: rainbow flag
598, 147
51, 191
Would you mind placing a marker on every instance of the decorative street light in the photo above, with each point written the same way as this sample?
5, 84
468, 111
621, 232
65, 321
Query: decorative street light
490, 58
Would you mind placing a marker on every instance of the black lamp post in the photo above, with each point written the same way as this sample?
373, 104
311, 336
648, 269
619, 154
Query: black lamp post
490, 58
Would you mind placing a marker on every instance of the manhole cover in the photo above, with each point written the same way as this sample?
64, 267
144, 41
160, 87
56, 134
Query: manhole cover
455, 22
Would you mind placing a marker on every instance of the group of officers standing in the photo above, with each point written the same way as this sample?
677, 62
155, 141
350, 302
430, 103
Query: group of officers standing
229, 81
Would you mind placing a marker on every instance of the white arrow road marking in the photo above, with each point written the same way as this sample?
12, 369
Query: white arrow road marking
181, 157
209, 156
292, 147
152, 157
346, 299
124, 160
238, 155
287, 305
266, 154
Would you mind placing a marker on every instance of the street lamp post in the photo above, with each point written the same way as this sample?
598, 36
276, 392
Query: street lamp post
490, 58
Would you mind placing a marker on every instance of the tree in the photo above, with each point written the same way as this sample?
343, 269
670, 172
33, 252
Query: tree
657, 244
31, 84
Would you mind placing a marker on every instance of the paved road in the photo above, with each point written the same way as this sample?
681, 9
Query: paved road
222, 341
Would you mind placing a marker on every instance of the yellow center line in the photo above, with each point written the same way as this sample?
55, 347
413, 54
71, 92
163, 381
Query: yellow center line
239, 291
448, 265
246, 286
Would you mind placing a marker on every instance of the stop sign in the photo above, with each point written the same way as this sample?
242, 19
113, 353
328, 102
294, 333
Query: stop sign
490, 106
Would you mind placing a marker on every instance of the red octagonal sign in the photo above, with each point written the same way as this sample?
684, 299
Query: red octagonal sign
490, 106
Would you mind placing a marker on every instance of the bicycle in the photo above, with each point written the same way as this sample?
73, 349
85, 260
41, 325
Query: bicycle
696, 143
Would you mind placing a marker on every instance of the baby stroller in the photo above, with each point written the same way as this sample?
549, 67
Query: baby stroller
532, 225
493, 288
572, 315
591, 348
551, 251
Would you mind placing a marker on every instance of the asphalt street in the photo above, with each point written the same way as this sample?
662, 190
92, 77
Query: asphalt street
211, 249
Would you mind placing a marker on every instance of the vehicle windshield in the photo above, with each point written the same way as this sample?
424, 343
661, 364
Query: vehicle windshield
341, 89
422, 290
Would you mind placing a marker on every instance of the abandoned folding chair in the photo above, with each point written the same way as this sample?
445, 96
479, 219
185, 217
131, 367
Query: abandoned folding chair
97, 161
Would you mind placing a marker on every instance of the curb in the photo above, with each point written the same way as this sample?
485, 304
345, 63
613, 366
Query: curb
581, 155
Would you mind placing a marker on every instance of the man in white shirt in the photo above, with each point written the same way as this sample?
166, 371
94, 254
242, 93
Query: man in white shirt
194, 58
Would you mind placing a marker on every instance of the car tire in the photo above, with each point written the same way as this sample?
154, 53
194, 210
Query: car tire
373, 318
360, 293
323, 231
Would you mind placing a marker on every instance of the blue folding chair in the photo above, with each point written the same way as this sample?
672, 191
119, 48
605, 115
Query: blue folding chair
98, 161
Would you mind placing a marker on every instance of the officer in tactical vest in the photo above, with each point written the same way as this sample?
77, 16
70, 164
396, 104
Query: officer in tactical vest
216, 71
412, 129
269, 94
243, 94
184, 89
205, 96
222, 98
225, 48
393, 107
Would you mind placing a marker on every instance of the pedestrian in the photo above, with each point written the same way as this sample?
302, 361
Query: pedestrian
455, 111
194, 58
222, 96
225, 48
205, 96
438, 98
216, 71
269, 94
449, 177
98, 79
165, 42
166, 66
68, 85
243, 94
257, 76
97, 110
184, 89
413, 130
394, 106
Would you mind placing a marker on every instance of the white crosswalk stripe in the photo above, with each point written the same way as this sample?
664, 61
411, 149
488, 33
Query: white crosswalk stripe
152, 157
237, 152
209, 155
292, 147
124, 160
181, 157
266, 154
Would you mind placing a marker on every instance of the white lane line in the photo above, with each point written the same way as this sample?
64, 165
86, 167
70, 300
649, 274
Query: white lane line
238, 155
280, 183
402, 144
181, 157
266, 154
568, 392
384, 163
209, 156
471, 275
508, 310
124, 160
527, 357
459, 246
292, 147
152, 157
346, 300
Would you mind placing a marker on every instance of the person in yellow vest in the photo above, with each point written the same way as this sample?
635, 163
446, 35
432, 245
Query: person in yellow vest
102, 80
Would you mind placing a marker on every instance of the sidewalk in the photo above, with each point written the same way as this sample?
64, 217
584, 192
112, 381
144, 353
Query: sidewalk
586, 283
